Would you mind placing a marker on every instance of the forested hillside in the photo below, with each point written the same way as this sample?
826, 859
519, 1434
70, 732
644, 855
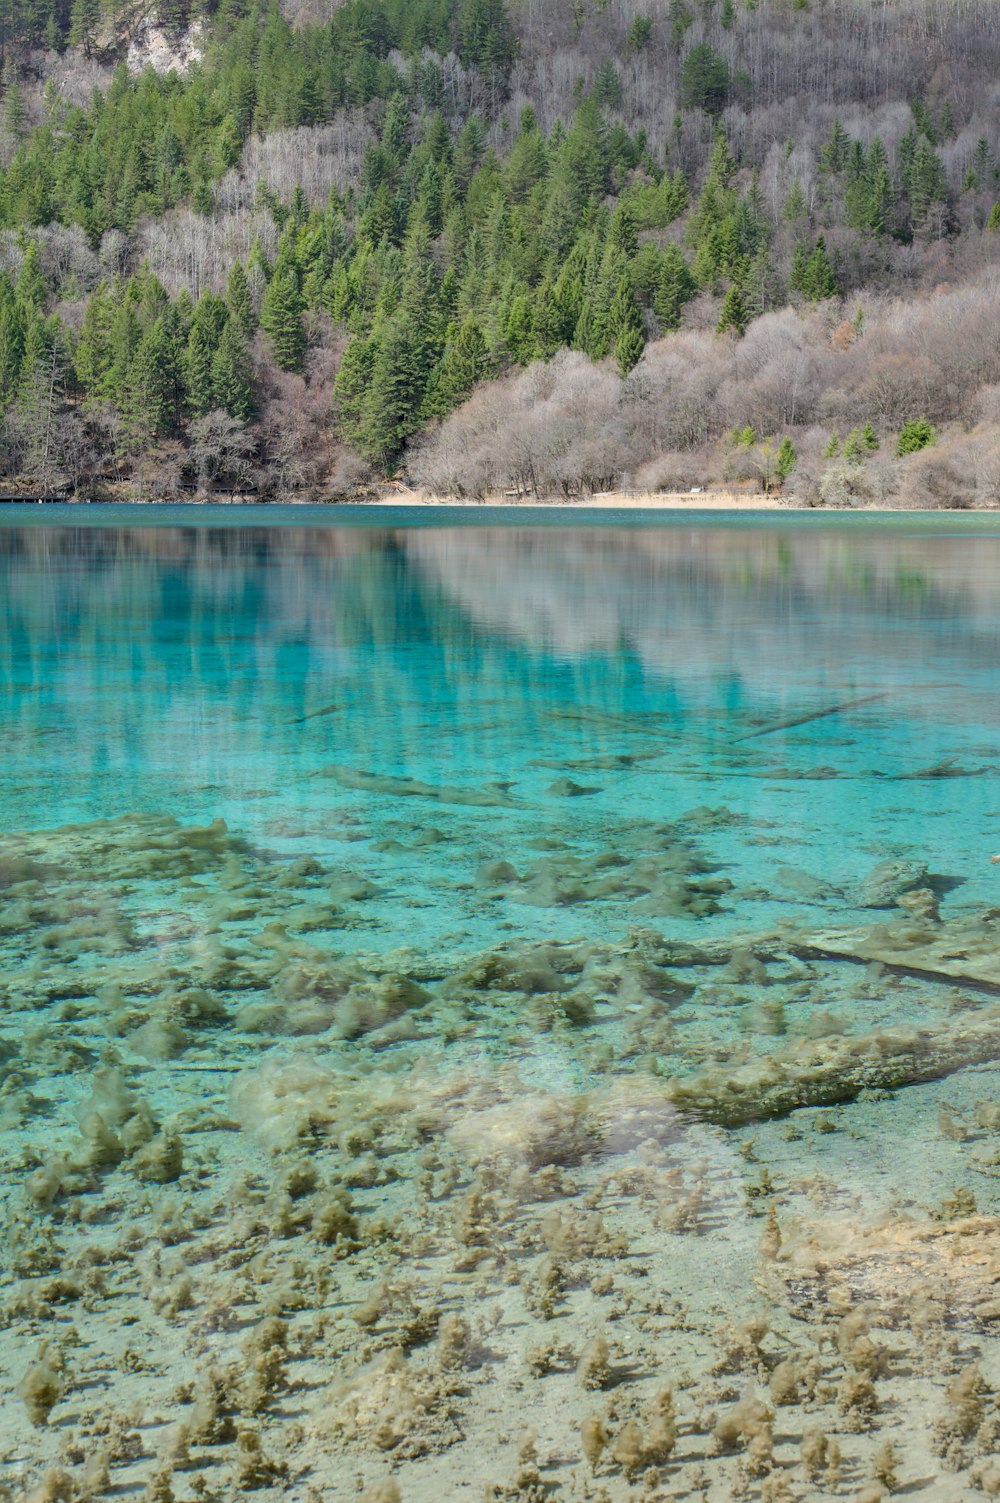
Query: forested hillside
530, 245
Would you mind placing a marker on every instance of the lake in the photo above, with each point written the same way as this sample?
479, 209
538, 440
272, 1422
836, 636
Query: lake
499, 1004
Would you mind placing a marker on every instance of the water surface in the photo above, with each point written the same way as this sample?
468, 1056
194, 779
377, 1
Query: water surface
389, 845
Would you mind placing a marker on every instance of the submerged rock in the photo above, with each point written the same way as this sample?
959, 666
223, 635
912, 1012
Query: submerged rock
405, 787
887, 881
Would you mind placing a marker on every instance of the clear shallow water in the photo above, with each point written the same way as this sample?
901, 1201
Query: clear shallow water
206, 671
657, 765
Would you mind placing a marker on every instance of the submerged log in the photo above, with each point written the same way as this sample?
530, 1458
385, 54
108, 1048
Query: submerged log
828, 1072
794, 720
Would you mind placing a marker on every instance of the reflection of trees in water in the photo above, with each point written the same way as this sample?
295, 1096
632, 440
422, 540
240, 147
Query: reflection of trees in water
230, 633
231, 637
697, 601
233, 634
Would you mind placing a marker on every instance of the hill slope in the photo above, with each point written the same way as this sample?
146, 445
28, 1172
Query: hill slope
324, 244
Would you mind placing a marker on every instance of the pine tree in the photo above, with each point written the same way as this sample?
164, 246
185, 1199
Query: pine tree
705, 80
239, 301
818, 280
15, 117
675, 288
199, 382
486, 37
281, 319
984, 166
353, 381
31, 288
913, 437
800, 261
625, 331
126, 333
734, 314
84, 24
147, 406
795, 207
785, 460
622, 233
13, 329
628, 349
518, 333
232, 380
465, 362
608, 86
38, 412
583, 162
926, 183
398, 381
93, 356
671, 199
762, 286
835, 151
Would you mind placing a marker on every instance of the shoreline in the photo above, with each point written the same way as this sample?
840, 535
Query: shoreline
700, 501
618, 501
721, 502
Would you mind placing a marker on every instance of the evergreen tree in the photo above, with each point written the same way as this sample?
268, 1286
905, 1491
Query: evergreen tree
834, 154
486, 37
795, 208
608, 86
391, 407
232, 380
353, 381
199, 381
148, 399
583, 162
762, 287
13, 329
628, 349
667, 201
675, 288
93, 356
518, 333
785, 460
734, 314
818, 280
926, 183
281, 319
239, 301
914, 436
37, 415
15, 117
84, 25
705, 80
465, 362
31, 288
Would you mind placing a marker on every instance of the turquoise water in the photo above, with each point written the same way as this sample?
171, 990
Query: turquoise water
222, 670
712, 789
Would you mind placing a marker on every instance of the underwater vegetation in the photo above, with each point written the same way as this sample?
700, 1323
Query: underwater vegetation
263, 1230
456, 1043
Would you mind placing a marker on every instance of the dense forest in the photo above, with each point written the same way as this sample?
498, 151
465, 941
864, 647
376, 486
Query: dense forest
488, 246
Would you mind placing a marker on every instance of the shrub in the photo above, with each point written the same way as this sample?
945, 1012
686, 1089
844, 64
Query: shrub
915, 436
851, 485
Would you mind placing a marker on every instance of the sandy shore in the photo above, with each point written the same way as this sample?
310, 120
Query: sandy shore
614, 500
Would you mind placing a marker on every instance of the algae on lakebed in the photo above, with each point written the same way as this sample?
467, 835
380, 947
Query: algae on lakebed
455, 1040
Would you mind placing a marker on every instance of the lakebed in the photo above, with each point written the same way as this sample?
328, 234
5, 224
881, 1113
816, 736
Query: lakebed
499, 1009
